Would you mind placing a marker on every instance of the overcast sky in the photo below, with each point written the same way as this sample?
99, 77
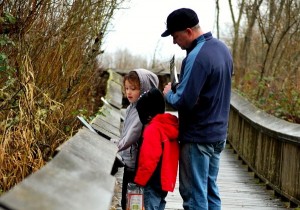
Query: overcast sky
139, 27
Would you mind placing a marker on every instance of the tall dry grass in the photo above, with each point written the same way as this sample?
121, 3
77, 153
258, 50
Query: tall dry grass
50, 75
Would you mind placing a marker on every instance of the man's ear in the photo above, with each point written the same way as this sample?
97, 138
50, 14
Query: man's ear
189, 31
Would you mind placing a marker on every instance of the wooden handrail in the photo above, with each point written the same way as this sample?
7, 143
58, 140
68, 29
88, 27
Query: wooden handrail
268, 145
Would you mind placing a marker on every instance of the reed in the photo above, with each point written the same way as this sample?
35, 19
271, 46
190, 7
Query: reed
50, 73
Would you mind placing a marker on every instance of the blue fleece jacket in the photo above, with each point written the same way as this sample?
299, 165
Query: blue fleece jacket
202, 97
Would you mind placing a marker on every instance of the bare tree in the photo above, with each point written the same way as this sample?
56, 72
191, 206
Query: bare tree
218, 18
236, 29
266, 52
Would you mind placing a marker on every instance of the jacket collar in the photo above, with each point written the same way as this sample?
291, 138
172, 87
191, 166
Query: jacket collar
202, 38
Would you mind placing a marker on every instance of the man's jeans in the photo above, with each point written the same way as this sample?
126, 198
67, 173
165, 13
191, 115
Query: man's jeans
198, 171
154, 200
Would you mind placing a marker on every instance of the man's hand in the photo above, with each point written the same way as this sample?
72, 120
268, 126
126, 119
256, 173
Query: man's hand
167, 88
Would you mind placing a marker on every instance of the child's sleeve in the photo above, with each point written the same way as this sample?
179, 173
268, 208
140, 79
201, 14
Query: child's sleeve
150, 153
132, 132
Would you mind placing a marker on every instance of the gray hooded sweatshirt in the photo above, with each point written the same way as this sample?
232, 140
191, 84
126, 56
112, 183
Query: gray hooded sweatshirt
132, 126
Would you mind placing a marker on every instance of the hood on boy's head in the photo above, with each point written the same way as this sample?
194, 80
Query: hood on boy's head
147, 78
150, 104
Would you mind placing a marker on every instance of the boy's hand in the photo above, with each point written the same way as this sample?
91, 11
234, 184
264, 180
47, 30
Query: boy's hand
167, 88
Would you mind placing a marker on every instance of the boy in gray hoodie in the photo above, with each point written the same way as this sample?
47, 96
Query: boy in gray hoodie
136, 82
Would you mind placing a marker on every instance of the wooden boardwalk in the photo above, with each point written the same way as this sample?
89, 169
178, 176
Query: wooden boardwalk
238, 188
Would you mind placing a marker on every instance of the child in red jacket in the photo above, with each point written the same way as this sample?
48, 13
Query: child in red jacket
159, 150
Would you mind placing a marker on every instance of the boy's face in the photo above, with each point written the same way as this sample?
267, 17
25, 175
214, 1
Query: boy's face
132, 91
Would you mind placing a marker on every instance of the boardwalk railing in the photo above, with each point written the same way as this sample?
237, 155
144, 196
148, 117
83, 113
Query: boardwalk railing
78, 177
269, 146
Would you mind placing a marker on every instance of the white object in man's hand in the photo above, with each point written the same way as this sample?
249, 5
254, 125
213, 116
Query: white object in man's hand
115, 141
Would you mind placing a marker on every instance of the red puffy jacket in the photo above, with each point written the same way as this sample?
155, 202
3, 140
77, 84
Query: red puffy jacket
159, 141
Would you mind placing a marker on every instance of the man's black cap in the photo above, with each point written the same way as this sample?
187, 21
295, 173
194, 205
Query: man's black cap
180, 20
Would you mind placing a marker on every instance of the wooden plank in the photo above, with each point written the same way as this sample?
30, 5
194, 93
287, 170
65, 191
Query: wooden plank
275, 127
109, 115
238, 188
270, 147
105, 133
115, 76
114, 94
105, 125
77, 178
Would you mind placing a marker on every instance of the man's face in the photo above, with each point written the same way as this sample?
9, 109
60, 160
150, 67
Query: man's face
182, 39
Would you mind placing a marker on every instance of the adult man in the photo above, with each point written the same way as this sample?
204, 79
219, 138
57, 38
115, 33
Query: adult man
202, 99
